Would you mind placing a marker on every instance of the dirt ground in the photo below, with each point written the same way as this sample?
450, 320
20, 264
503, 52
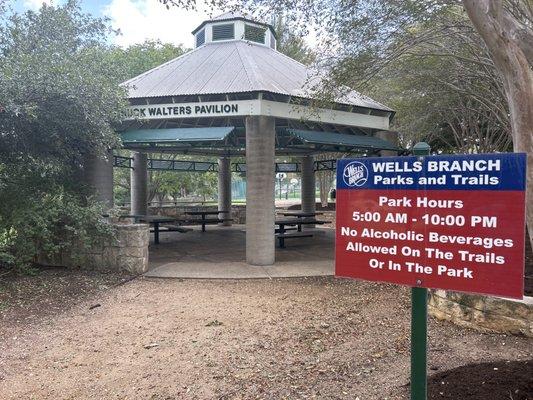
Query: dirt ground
323, 338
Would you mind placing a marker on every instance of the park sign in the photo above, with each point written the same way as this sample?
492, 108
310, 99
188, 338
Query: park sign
443, 222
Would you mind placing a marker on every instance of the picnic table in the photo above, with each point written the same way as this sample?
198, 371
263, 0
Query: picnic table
301, 214
204, 221
281, 232
155, 221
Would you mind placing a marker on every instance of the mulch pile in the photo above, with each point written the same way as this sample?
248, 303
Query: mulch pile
505, 380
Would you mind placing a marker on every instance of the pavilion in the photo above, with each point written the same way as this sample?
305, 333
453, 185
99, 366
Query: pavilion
234, 94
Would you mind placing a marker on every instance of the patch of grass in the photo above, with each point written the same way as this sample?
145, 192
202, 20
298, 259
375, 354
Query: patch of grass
4, 305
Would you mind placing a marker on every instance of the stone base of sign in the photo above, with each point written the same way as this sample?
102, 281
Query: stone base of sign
489, 314
127, 251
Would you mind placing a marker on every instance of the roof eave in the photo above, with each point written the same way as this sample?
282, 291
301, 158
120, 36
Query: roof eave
385, 109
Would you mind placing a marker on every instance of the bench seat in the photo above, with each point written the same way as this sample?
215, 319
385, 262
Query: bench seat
204, 222
199, 221
277, 230
172, 228
282, 236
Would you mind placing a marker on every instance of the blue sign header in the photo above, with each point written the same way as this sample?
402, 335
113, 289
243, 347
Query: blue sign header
502, 171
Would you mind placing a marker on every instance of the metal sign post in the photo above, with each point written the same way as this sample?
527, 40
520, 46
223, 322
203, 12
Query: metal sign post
419, 328
419, 323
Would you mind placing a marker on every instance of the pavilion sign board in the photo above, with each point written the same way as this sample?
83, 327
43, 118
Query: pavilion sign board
444, 222
186, 110
236, 108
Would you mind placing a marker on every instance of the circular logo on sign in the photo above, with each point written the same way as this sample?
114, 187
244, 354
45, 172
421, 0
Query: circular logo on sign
355, 174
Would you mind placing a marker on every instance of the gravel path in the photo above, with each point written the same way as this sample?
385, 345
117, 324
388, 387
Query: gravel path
250, 339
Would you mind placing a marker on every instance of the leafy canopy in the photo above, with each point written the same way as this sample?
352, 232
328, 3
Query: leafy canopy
59, 99
58, 96
139, 58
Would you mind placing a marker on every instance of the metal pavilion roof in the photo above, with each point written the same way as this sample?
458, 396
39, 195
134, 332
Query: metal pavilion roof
235, 66
226, 79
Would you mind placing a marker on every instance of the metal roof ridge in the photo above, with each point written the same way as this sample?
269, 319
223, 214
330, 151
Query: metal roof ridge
276, 70
245, 69
220, 66
259, 79
192, 72
142, 75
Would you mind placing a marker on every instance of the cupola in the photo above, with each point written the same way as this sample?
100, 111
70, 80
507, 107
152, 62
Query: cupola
234, 26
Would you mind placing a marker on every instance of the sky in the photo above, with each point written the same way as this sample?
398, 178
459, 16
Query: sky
138, 20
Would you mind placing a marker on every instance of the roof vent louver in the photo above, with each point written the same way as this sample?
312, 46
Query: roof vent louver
224, 32
200, 38
254, 33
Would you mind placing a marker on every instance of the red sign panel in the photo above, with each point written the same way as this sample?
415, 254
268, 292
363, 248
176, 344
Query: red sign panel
454, 222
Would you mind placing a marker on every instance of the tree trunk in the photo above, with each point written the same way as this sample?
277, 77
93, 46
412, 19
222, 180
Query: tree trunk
498, 30
324, 184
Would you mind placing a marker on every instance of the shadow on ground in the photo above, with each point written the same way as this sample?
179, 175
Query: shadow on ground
511, 380
220, 252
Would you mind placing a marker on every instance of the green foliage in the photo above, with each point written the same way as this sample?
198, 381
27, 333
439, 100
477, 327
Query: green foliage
443, 86
425, 60
128, 63
292, 45
58, 95
205, 184
58, 101
422, 58
7, 245
138, 58
47, 225
168, 185
174, 185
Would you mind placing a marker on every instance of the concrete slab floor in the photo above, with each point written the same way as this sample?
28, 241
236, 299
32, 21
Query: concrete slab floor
219, 253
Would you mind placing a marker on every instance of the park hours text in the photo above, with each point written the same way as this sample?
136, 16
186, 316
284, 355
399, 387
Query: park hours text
427, 219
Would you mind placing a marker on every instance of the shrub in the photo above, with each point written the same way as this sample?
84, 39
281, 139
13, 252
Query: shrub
48, 225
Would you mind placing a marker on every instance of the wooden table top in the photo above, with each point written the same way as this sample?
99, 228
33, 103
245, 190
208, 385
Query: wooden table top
155, 218
301, 214
204, 212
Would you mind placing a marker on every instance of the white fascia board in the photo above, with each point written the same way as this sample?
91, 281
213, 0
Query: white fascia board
306, 113
255, 107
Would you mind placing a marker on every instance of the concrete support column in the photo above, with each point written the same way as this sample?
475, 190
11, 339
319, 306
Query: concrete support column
224, 188
260, 215
139, 184
98, 173
308, 193
308, 186
392, 138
